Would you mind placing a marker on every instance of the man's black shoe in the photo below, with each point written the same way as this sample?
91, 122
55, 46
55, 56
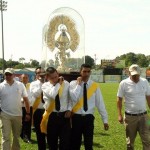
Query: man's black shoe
26, 140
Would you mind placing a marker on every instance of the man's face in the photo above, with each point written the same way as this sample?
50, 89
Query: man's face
9, 77
85, 73
24, 78
53, 77
38, 72
135, 78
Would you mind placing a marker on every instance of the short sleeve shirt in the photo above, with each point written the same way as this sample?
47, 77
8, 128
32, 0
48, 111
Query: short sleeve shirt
10, 96
134, 94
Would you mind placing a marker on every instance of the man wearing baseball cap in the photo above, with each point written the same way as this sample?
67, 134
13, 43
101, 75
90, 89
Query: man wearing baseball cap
135, 91
11, 92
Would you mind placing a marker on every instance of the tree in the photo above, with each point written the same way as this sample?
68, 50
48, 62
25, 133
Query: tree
21, 60
19, 66
1, 64
35, 63
148, 59
141, 60
11, 64
27, 65
132, 58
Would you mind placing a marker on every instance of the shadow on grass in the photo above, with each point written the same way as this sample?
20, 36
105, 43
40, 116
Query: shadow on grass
101, 133
95, 145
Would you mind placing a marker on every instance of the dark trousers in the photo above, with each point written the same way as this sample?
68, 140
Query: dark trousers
82, 125
58, 132
26, 125
41, 137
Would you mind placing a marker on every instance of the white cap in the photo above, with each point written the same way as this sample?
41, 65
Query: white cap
9, 70
134, 69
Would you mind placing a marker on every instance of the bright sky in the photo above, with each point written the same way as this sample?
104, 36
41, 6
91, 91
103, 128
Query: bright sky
112, 27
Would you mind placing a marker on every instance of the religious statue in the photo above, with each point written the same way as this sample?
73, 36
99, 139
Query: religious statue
62, 34
63, 40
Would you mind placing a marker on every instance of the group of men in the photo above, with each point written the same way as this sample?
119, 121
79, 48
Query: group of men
62, 112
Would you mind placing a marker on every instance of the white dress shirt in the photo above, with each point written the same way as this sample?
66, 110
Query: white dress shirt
30, 98
10, 96
96, 100
134, 94
35, 90
50, 91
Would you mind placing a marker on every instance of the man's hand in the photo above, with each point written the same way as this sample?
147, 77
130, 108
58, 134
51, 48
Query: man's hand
106, 126
42, 79
61, 79
27, 117
79, 80
120, 119
68, 114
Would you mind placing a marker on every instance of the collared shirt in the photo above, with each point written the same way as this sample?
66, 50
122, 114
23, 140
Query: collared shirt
50, 91
35, 90
134, 94
30, 98
96, 100
10, 96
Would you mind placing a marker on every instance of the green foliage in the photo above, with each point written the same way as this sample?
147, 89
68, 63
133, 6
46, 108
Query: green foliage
1, 63
132, 58
34, 63
19, 66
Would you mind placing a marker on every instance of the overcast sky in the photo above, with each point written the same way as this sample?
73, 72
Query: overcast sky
112, 27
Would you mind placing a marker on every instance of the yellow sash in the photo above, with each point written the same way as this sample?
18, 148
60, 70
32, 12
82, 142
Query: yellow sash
90, 92
36, 104
27, 86
47, 112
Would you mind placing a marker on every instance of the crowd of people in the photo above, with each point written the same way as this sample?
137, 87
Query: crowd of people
62, 113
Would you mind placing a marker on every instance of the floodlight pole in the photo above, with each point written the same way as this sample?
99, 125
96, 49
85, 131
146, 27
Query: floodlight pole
3, 6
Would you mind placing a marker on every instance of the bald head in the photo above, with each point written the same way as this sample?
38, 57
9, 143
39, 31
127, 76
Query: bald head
24, 78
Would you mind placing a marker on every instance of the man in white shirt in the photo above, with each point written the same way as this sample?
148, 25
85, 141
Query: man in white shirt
37, 106
56, 91
11, 92
26, 125
135, 91
86, 95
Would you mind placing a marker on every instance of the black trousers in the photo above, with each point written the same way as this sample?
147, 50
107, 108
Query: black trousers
26, 125
41, 137
58, 131
82, 125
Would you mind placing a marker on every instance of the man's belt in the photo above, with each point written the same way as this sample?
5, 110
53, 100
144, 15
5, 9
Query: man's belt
58, 114
140, 114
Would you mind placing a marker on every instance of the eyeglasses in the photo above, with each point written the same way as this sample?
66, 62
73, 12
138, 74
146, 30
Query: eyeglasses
8, 74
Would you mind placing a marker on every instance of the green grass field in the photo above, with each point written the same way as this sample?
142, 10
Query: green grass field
114, 138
